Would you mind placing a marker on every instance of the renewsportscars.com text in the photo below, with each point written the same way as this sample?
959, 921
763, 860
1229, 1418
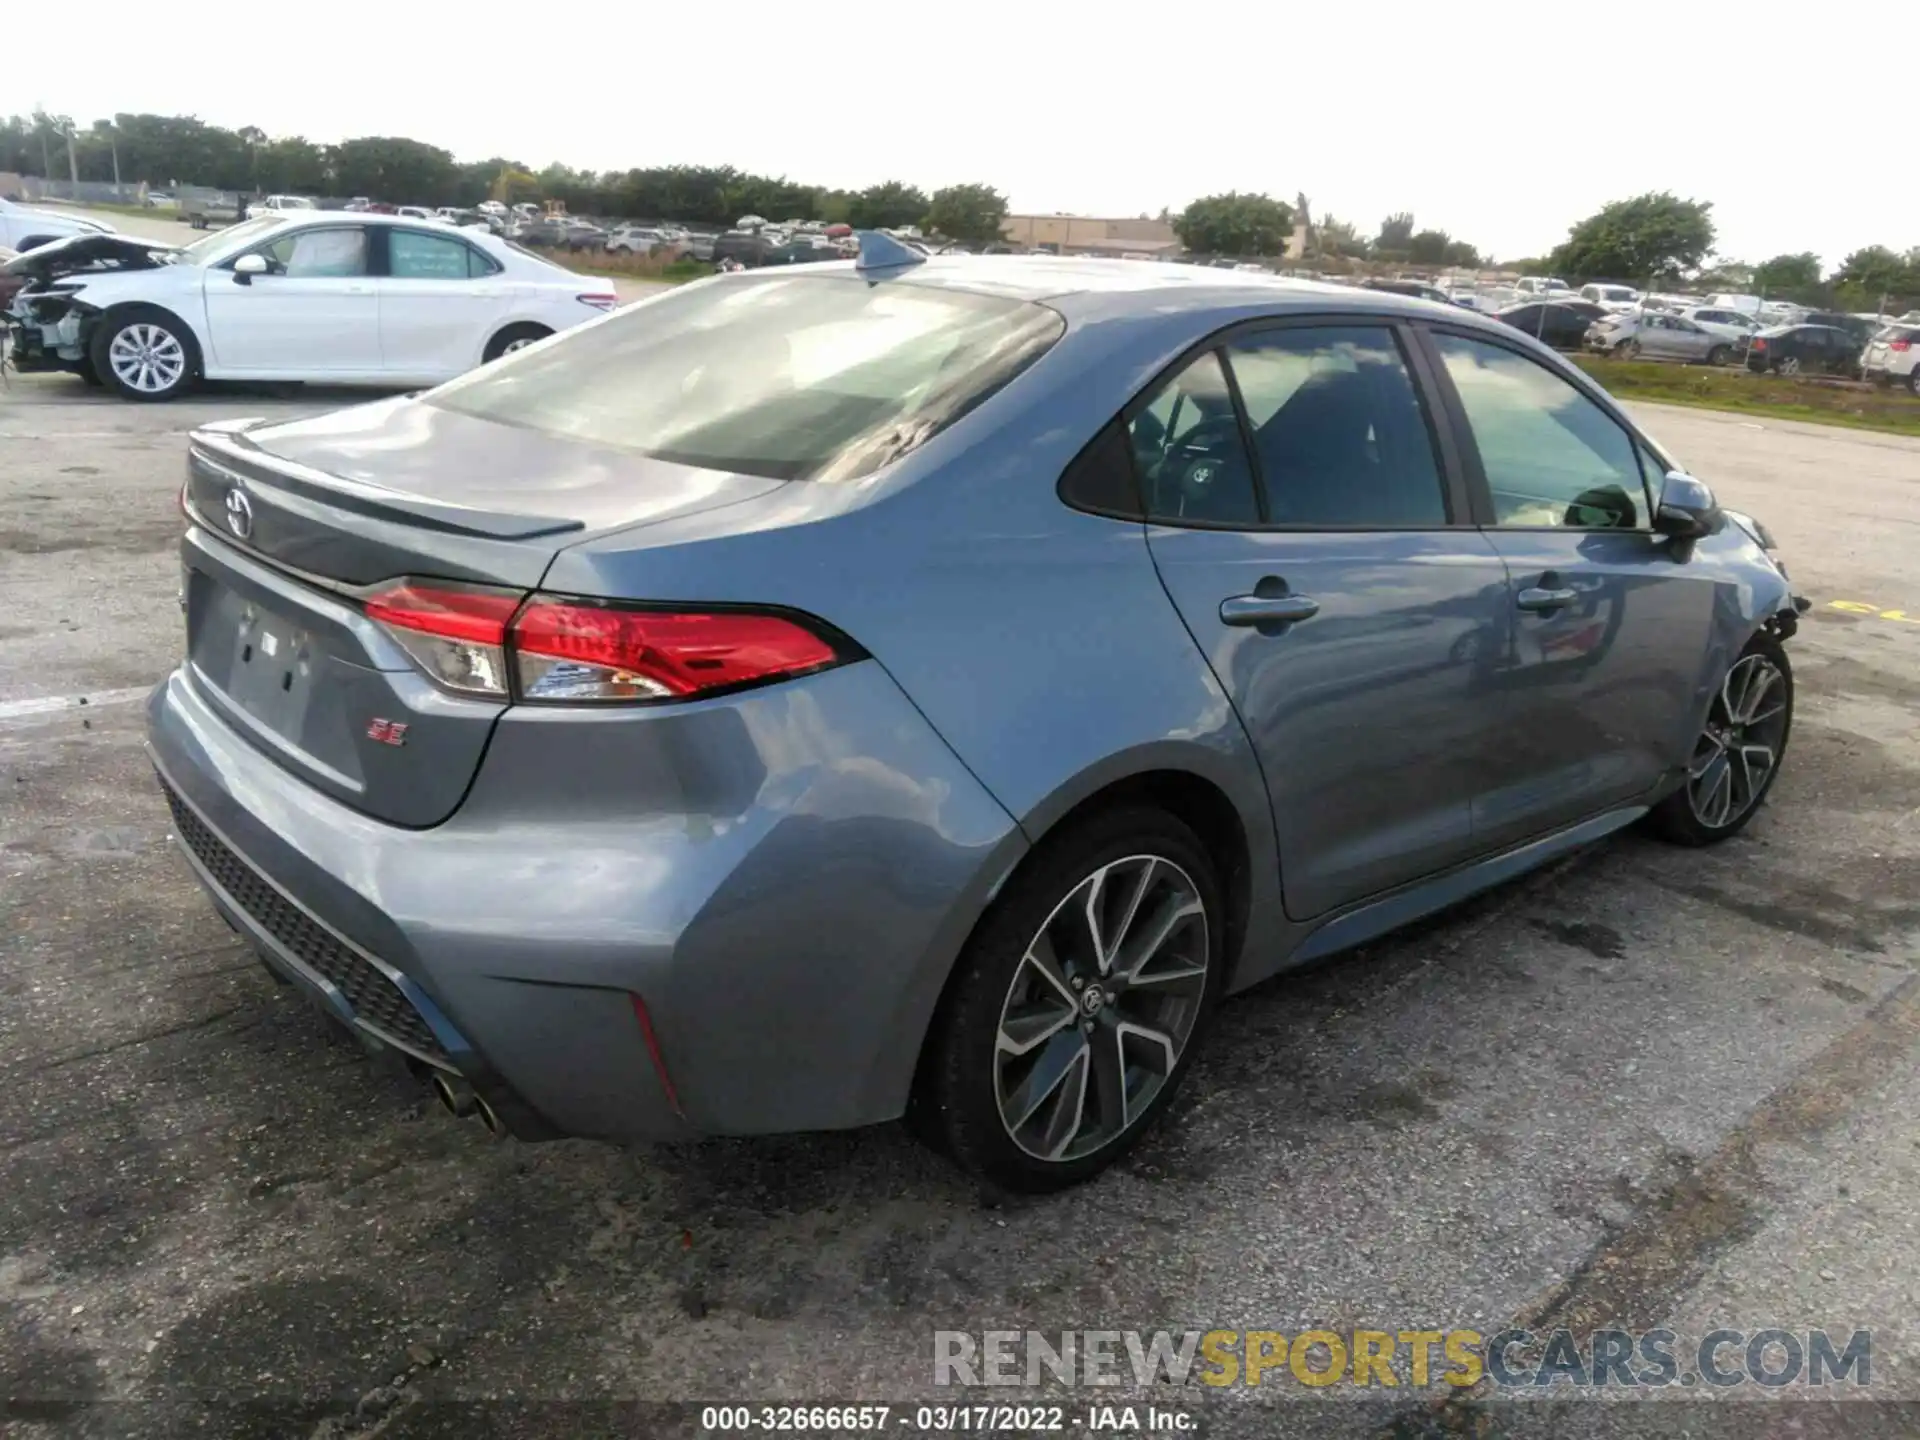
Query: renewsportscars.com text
1382, 1359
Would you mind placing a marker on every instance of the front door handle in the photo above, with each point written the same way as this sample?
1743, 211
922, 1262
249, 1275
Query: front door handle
1267, 609
1538, 600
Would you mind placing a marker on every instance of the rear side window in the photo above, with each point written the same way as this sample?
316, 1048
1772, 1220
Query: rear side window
1338, 429
413, 256
1188, 452
820, 377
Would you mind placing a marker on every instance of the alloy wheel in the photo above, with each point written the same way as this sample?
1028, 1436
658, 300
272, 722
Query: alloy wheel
1739, 750
147, 358
1101, 1007
1790, 365
519, 344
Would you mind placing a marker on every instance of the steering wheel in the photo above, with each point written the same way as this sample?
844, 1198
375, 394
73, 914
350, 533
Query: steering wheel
1189, 471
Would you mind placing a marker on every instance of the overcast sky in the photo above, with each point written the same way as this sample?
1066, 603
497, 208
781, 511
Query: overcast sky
1502, 124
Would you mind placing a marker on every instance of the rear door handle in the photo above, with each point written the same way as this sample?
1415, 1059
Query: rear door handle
1538, 600
1267, 609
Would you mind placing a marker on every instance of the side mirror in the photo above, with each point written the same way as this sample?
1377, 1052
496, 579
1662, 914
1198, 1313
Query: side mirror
1687, 509
248, 266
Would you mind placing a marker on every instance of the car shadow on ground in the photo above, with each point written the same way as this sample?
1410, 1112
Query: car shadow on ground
59, 389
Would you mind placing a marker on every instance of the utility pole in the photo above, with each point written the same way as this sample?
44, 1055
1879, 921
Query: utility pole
73, 161
113, 139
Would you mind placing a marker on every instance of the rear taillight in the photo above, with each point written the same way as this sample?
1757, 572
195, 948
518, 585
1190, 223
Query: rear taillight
456, 633
1758, 343
552, 648
600, 300
577, 650
1898, 344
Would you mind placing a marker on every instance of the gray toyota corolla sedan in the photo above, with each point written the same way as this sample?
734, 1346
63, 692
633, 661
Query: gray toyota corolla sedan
927, 686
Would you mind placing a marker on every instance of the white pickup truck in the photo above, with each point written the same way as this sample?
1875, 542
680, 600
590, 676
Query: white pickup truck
23, 226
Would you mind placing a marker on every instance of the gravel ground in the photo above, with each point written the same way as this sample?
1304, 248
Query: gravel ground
1644, 1087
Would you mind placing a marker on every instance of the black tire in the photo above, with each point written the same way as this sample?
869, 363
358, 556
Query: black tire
1632, 349
1678, 817
116, 323
1913, 381
957, 1102
87, 371
1717, 355
512, 338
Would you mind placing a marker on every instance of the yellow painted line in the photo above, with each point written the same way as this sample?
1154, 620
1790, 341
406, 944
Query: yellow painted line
1857, 607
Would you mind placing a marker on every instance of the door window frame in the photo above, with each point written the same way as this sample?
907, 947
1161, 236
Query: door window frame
1449, 462
1480, 493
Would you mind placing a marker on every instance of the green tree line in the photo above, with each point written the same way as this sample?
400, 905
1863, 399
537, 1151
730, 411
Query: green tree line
166, 150
1647, 239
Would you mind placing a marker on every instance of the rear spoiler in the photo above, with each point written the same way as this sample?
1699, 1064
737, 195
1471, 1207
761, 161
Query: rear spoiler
225, 449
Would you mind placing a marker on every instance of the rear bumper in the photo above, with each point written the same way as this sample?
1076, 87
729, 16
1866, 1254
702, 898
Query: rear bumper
782, 876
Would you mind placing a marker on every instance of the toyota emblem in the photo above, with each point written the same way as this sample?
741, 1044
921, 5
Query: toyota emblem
239, 513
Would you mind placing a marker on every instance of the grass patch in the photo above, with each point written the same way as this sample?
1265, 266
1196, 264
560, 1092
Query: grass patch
1822, 402
617, 264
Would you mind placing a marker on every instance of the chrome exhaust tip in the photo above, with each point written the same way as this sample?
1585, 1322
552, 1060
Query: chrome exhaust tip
496, 1127
456, 1095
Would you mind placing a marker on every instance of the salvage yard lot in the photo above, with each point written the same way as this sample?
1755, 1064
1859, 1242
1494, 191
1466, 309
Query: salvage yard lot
1643, 1087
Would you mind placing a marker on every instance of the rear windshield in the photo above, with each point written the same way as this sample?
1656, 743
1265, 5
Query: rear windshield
819, 377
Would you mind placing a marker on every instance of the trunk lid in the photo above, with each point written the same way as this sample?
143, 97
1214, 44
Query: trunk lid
292, 526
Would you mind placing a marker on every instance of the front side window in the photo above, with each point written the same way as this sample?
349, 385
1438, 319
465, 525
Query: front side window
1551, 456
319, 254
1188, 452
1338, 429
210, 248
413, 256
795, 377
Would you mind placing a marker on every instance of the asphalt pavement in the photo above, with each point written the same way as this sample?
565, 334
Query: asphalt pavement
1645, 1087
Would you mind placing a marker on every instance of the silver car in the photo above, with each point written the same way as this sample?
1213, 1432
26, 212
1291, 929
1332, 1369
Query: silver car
1658, 336
928, 686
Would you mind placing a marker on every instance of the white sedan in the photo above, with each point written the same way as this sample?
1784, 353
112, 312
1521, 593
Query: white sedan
332, 297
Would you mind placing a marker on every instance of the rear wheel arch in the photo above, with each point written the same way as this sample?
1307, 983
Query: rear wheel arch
1199, 804
511, 337
1196, 801
1186, 821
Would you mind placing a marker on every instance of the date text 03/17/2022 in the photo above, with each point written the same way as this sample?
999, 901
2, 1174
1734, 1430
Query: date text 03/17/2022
944, 1419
